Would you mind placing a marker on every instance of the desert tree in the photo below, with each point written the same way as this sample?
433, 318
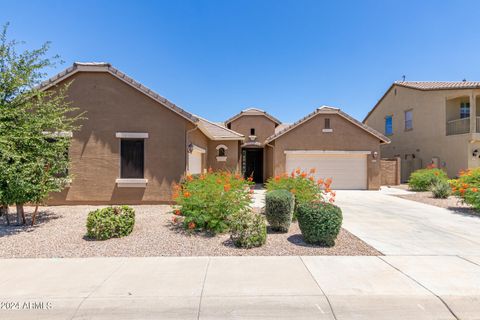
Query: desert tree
35, 128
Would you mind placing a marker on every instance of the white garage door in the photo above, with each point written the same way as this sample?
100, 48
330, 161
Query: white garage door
347, 170
195, 162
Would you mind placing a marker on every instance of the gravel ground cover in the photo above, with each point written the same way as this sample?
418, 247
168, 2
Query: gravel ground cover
452, 203
60, 232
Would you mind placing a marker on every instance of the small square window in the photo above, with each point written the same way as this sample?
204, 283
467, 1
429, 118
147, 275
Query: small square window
252, 131
327, 123
388, 125
409, 120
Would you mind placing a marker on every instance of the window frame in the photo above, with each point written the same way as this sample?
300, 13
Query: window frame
144, 158
387, 133
406, 121
327, 124
464, 106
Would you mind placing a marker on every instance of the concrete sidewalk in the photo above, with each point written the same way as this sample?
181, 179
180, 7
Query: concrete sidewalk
420, 287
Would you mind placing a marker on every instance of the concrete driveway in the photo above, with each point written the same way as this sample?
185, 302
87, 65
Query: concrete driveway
396, 226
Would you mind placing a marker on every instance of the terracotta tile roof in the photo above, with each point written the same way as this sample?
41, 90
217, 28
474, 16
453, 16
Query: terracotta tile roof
329, 110
216, 131
254, 112
439, 85
107, 67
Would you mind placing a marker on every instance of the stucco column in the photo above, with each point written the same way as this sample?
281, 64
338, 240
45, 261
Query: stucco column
473, 113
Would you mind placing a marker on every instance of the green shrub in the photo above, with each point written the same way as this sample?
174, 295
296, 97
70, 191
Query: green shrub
441, 189
279, 205
319, 222
248, 230
423, 179
205, 202
110, 222
467, 187
303, 186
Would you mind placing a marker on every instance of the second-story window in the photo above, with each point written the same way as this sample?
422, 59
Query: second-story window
252, 131
464, 110
388, 125
409, 120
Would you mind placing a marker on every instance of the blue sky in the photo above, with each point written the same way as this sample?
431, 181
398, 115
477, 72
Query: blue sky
214, 58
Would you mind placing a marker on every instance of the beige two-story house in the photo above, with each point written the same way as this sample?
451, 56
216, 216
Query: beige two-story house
430, 122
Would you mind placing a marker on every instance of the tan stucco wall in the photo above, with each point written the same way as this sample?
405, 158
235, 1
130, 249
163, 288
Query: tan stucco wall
428, 139
112, 106
232, 163
345, 137
264, 127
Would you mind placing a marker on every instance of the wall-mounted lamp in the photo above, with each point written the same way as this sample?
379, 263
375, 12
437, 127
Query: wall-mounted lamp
190, 148
374, 154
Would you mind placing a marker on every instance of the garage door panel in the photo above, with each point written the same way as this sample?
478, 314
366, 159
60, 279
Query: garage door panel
347, 171
195, 162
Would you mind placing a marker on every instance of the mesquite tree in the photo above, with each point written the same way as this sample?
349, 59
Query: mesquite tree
35, 128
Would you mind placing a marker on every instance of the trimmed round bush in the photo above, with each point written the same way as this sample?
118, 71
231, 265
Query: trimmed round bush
423, 179
110, 222
441, 189
248, 230
319, 222
279, 205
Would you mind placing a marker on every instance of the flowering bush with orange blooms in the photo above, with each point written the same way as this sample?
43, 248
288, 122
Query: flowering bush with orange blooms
467, 187
207, 201
304, 186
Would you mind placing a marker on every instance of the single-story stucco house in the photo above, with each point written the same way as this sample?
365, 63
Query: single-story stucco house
135, 144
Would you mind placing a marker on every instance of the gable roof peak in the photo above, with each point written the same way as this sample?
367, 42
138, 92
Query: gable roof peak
107, 67
255, 112
329, 110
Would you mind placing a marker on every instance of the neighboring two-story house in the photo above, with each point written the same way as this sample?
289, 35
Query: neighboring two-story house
430, 123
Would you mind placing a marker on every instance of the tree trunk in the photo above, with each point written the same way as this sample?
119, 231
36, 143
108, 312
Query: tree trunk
34, 215
4, 211
20, 215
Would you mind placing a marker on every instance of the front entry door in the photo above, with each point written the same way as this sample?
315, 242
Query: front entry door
253, 164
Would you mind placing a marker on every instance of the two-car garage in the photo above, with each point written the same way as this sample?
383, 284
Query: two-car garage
334, 144
347, 169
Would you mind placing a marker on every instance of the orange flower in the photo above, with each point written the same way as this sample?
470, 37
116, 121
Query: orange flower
189, 177
277, 178
177, 212
328, 181
331, 200
312, 179
464, 185
297, 171
202, 177
292, 174
436, 173
454, 189
186, 194
210, 170
237, 175
227, 187
304, 175
175, 195
175, 219
461, 190
474, 190
219, 181
191, 225
293, 191
313, 170
251, 191
320, 181
250, 179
